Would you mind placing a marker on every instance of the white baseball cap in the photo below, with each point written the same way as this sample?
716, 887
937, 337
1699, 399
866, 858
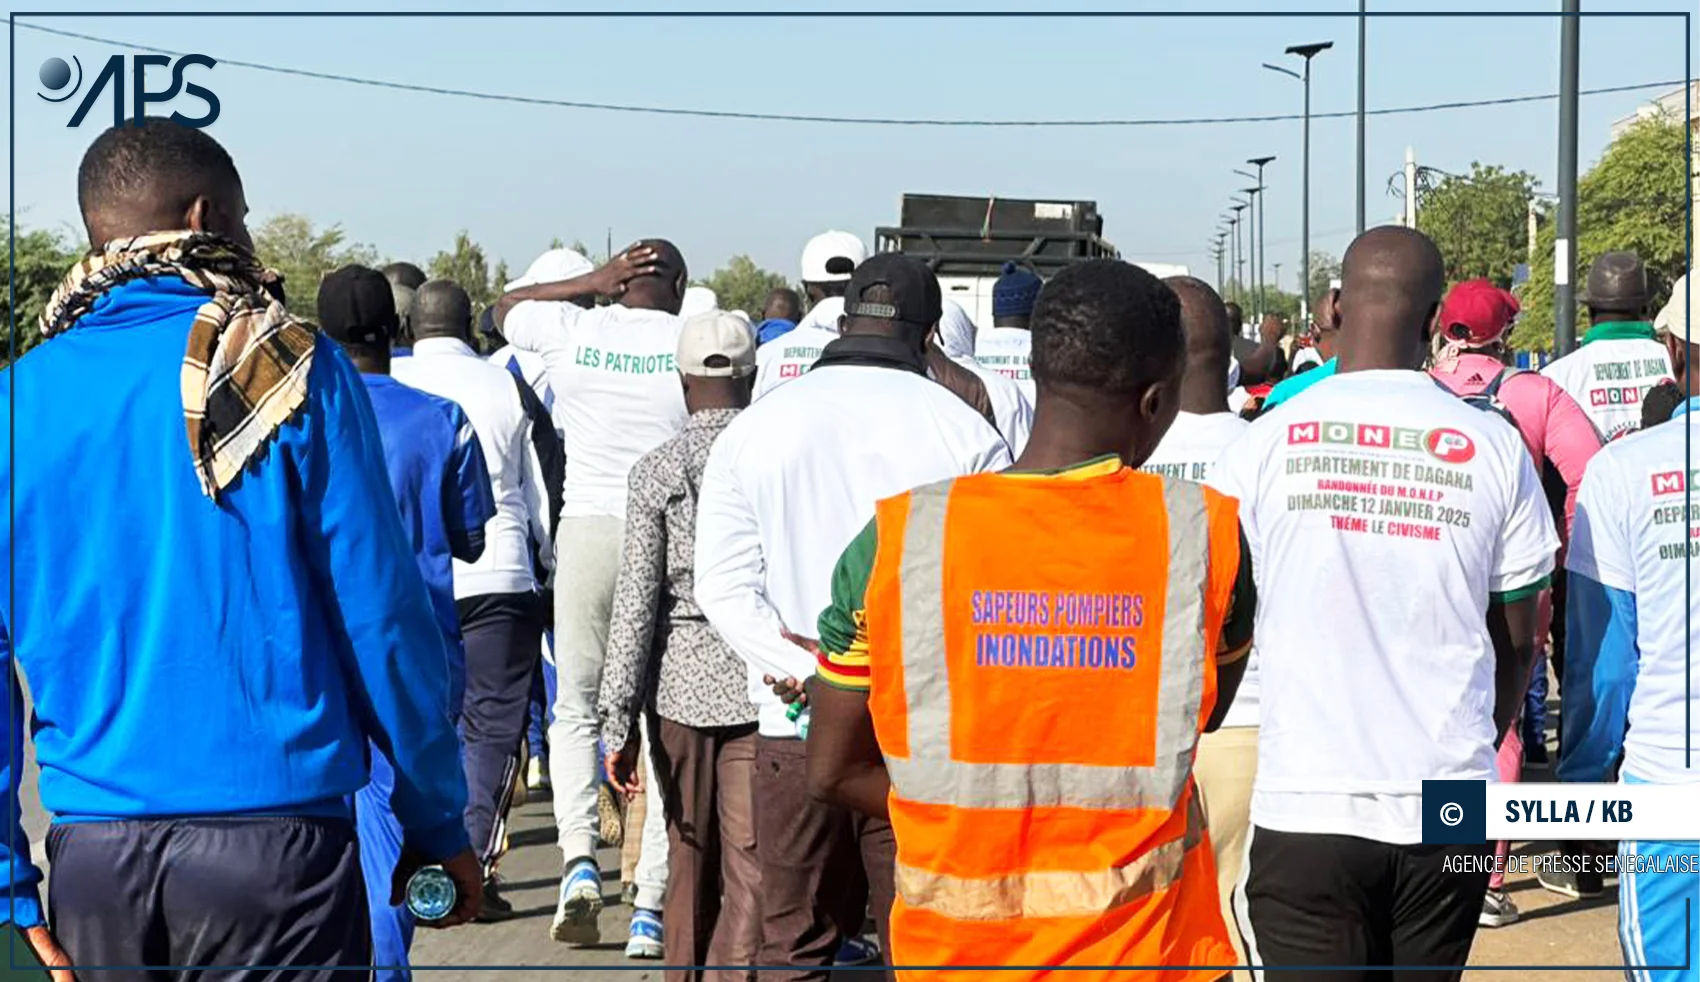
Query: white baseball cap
552, 267
830, 257
1675, 317
698, 300
716, 334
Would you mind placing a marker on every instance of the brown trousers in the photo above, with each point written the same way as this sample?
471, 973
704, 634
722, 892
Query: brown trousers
713, 906
823, 869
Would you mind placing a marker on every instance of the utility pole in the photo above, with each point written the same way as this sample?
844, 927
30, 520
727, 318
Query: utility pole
1362, 21
1532, 230
1410, 188
1563, 257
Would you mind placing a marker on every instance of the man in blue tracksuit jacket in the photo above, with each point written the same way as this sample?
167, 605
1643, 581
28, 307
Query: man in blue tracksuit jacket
1627, 704
212, 628
442, 488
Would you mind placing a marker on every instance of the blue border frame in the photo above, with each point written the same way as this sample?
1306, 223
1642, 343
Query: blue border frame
12, 707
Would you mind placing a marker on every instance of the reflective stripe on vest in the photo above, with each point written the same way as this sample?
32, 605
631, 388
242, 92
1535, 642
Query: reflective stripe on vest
930, 776
1052, 893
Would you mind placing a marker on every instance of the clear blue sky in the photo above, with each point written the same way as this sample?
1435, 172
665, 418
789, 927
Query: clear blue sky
403, 171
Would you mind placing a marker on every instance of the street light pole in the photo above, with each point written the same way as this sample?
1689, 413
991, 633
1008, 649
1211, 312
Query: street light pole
1239, 261
1253, 233
1234, 257
1307, 52
1563, 257
1262, 231
1362, 21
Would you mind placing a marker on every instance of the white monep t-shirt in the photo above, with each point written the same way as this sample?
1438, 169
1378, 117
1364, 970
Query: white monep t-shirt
1012, 411
1189, 452
1382, 512
1638, 530
1607, 378
614, 373
788, 356
1006, 350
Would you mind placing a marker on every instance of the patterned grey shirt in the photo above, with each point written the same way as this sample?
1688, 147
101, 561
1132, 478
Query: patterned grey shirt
701, 680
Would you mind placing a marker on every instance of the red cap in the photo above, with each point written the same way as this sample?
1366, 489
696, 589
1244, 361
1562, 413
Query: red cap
1477, 311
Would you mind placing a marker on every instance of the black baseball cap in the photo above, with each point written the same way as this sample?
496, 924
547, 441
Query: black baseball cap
357, 306
915, 296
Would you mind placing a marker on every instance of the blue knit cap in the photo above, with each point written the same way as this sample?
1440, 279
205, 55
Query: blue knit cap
1015, 292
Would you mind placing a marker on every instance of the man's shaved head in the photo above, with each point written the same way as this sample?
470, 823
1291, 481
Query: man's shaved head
159, 176
1392, 280
663, 289
441, 309
1209, 345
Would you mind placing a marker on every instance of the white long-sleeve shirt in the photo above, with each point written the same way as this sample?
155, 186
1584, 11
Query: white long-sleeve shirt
489, 396
793, 479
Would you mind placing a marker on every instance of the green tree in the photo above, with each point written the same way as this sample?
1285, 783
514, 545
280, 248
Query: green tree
1479, 222
468, 267
742, 285
1324, 270
291, 245
1633, 199
44, 256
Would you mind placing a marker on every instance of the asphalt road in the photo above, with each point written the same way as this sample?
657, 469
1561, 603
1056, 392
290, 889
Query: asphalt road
1554, 931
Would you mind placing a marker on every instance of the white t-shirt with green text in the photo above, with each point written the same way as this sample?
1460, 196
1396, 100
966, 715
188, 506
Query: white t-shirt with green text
1608, 377
789, 355
1382, 513
614, 371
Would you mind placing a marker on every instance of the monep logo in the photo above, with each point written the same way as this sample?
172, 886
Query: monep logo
59, 77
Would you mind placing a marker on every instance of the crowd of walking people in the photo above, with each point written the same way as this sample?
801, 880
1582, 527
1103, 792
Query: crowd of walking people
1100, 636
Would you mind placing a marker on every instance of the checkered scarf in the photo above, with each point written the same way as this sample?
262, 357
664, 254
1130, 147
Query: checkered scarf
245, 370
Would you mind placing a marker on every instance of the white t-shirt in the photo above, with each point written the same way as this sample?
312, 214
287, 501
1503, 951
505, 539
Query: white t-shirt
793, 479
788, 356
1637, 530
1381, 511
614, 372
448, 368
1189, 452
1010, 408
824, 315
1607, 378
1006, 350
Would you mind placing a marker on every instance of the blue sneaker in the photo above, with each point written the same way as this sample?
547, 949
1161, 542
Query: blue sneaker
646, 935
580, 905
856, 951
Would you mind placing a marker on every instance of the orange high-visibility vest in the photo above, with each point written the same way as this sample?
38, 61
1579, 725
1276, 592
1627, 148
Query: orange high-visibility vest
1044, 660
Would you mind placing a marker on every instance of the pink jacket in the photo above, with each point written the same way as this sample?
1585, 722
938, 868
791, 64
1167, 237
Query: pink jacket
1553, 426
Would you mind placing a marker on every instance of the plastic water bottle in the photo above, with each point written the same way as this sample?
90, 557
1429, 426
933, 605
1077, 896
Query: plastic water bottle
798, 713
431, 894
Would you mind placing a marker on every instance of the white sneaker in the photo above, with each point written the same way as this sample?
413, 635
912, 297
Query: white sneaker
580, 906
646, 935
536, 778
